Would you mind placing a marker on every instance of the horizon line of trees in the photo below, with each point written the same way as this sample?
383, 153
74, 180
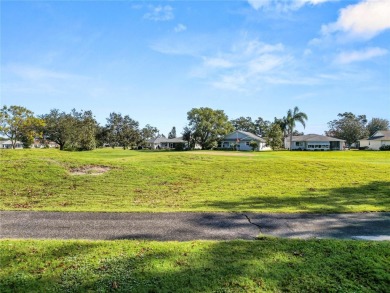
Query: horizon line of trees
79, 130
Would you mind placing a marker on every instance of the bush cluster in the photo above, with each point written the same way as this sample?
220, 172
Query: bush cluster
385, 148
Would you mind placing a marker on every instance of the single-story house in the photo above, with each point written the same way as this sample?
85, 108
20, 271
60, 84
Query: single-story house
165, 143
39, 144
7, 144
378, 139
241, 141
314, 142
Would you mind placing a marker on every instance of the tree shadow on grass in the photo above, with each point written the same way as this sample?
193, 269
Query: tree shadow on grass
235, 266
374, 196
38, 261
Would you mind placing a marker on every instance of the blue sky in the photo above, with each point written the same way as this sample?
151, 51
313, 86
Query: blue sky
155, 61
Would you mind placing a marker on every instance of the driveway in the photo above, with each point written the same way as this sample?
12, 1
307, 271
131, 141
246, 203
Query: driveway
192, 226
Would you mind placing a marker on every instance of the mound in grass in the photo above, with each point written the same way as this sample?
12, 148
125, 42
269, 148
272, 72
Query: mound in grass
132, 181
89, 170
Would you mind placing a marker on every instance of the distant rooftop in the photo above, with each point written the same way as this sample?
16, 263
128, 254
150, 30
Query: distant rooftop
314, 137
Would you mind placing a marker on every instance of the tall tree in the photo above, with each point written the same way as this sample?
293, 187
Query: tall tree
123, 131
80, 131
244, 124
32, 129
19, 123
208, 125
349, 127
59, 127
149, 132
101, 136
377, 124
188, 137
262, 127
294, 116
172, 134
86, 130
283, 124
275, 136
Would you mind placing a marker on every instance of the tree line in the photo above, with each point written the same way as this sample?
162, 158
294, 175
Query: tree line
79, 130
76, 130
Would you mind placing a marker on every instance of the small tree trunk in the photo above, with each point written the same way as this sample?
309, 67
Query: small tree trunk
285, 134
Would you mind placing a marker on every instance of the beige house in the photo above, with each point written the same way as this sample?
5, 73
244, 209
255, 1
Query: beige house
39, 144
378, 139
314, 142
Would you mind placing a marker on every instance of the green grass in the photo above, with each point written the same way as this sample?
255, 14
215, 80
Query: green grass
351, 181
268, 265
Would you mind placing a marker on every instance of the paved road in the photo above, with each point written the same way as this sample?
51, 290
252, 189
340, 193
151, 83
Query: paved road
192, 226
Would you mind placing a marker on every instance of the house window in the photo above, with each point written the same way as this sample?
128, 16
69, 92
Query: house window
247, 143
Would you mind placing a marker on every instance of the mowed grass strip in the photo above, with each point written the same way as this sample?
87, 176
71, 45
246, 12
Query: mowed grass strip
268, 265
138, 181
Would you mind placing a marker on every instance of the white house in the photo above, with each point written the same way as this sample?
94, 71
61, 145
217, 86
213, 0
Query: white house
7, 144
314, 142
39, 144
165, 143
378, 139
241, 141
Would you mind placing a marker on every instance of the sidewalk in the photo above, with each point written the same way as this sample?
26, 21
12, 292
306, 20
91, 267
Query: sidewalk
192, 226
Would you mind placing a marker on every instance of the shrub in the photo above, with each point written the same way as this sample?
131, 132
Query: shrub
385, 148
179, 146
253, 144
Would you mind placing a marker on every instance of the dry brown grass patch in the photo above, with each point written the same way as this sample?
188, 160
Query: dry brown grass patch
89, 170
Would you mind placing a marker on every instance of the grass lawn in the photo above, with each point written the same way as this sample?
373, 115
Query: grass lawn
271, 265
351, 181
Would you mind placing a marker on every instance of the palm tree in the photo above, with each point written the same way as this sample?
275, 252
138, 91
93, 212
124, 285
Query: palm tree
294, 116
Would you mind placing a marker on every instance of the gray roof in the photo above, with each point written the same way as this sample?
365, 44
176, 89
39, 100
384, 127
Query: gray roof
166, 140
314, 137
247, 136
385, 136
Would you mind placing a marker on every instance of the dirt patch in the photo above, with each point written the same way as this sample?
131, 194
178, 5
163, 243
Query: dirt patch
89, 170
229, 154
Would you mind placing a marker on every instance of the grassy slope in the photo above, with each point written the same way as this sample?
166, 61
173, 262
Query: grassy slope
196, 181
198, 266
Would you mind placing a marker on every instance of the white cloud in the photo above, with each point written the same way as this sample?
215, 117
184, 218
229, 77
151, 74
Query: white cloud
217, 63
160, 13
307, 52
35, 73
258, 4
30, 79
180, 28
235, 82
264, 63
243, 66
355, 56
256, 47
284, 5
364, 20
